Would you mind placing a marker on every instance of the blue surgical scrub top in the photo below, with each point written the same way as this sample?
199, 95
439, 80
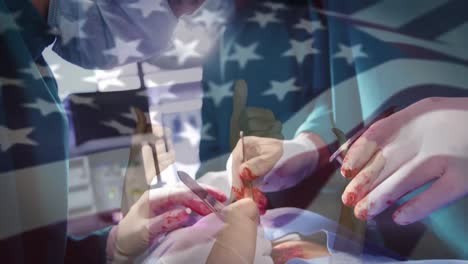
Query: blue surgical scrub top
33, 149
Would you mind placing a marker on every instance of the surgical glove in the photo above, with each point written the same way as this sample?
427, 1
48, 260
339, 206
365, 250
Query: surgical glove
226, 237
241, 239
424, 142
271, 164
157, 212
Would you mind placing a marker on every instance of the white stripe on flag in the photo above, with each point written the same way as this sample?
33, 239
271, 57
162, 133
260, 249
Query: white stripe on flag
168, 78
455, 51
396, 13
180, 107
375, 86
456, 37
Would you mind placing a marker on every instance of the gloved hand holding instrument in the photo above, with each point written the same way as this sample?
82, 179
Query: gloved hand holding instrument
158, 210
423, 143
272, 164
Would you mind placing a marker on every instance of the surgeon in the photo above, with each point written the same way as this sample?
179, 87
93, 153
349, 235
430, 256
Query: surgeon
34, 131
408, 168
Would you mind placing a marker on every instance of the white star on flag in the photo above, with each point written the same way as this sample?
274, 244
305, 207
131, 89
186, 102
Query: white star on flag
184, 51
301, 49
33, 71
204, 132
79, 100
274, 6
350, 53
106, 78
11, 137
219, 91
264, 19
71, 29
147, 7
131, 114
44, 107
209, 18
280, 89
309, 26
8, 21
9, 81
191, 134
123, 50
244, 54
119, 127
152, 84
49, 72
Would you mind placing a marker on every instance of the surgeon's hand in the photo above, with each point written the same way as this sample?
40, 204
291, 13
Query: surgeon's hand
151, 213
253, 121
230, 236
149, 156
236, 242
425, 142
157, 212
271, 164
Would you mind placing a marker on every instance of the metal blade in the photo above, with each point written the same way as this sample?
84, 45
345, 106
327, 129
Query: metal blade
213, 204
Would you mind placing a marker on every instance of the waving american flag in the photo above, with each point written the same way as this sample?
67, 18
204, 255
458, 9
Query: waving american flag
333, 63
314, 64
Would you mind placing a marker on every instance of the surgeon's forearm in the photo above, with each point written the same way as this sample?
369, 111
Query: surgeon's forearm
42, 7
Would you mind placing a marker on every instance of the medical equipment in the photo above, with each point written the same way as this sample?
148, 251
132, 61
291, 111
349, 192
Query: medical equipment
211, 202
341, 151
345, 146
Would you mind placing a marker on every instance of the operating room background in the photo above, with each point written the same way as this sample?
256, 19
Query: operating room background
101, 119
103, 115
